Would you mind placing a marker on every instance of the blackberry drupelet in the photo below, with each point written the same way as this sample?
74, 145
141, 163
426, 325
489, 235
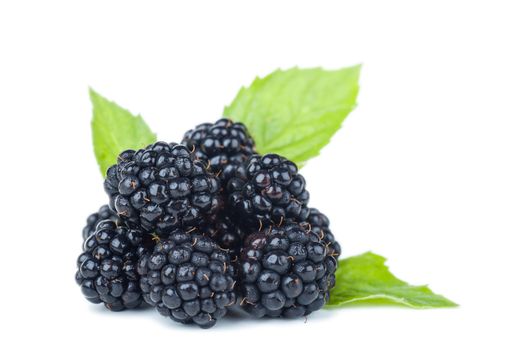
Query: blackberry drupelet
320, 225
188, 278
224, 144
285, 272
104, 213
162, 187
107, 267
226, 233
267, 190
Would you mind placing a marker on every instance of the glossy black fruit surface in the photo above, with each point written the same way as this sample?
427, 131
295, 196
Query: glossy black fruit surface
106, 270
320, 225
162, 187
285, 272
104, 213
267, 190
189, 279
223, 144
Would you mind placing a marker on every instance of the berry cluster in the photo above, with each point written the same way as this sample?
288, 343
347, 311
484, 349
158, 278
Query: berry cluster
224, 144
162, 187
266, 190
188, 278
285, 271
198, 228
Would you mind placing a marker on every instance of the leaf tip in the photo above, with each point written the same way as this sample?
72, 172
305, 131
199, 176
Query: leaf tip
93, 95
445, 302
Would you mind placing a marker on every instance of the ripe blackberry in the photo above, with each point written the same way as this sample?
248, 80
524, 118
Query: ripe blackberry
188, 278
107, 267
267, 190
320, 225
162, 187
285, 272
226, 233
104, 213
224, 144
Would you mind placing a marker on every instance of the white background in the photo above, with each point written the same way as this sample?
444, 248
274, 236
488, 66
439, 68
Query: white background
428, 171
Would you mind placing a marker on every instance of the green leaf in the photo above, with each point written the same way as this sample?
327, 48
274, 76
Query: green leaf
115, 130
295, 112
364, 279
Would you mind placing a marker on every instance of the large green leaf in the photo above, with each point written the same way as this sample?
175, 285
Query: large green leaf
365, 279
115, 130
295, 112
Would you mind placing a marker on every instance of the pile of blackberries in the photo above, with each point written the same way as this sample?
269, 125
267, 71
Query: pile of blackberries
197, 228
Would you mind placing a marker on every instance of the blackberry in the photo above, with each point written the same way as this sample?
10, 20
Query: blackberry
162, 187
285, 272
224, 144
320, 225
226, 233
104, 213
267, 190
107, 267
188, 278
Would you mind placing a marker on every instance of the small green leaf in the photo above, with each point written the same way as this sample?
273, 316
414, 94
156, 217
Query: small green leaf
295, 112
364, 279
114, 130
